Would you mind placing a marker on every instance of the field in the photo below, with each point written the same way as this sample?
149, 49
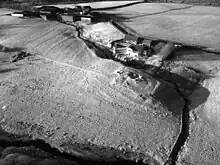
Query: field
69, 94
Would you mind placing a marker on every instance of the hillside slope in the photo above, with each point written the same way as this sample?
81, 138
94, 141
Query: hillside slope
77, 102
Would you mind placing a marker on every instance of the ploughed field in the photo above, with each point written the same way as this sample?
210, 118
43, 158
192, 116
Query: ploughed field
67, 93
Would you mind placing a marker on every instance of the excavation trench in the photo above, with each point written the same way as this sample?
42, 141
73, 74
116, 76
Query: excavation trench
185, 111
183, 134
42, 145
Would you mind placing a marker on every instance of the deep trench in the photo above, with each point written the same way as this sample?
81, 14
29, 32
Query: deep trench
41, 144
182, 138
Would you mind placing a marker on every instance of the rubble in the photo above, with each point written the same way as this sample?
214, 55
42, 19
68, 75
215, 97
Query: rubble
19, 56
145, 85
140, 49
73, 11
85, 9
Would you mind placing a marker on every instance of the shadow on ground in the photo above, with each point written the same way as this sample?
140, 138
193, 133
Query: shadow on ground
6, 57
189, 53
81, 151
9, 49
184, 85
7, 70
105, 17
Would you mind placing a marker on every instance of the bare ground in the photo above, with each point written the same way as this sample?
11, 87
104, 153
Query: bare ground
49, 96
65, 96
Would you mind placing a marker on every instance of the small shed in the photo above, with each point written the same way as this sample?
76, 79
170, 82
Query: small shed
84, 18
17, 14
